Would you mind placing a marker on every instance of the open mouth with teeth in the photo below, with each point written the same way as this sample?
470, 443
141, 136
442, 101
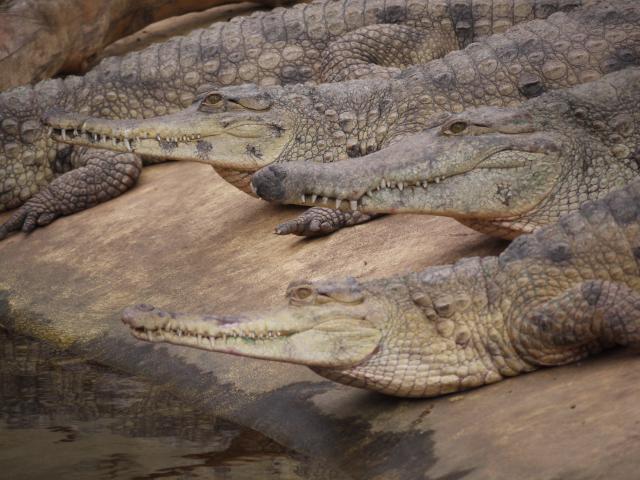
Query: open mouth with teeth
487, 177
175, 334
313, 199
331, 341
203, 331
208, 332
98, 140
503, 175
243, 142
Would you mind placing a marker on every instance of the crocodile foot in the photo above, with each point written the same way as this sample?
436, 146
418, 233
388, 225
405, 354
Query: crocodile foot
38, 211
319, 221
104, 176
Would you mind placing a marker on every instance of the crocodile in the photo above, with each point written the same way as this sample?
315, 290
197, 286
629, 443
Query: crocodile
241, 129
503, 171
326, 40
552, 297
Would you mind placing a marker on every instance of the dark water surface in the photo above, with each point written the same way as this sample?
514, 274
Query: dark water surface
64, 418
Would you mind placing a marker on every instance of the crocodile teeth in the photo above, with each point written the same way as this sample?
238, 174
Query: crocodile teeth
325, 200
49, 131
64, 134
338, 202
128, 145
303, 198
383, 184
353, 204
400, 186
314, 197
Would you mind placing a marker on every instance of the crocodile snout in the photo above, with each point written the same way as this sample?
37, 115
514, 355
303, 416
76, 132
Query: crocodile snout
268, 183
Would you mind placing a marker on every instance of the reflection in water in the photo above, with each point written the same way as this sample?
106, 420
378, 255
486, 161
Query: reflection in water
62, 417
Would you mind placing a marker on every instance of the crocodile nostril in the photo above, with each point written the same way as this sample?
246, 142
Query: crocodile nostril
268, 183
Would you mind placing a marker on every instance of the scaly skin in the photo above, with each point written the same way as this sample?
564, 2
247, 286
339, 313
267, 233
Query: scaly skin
553, 297
241, 129
503, 171
322, 41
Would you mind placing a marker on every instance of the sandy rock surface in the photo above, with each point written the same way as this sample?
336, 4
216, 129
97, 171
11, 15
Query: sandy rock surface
185, 240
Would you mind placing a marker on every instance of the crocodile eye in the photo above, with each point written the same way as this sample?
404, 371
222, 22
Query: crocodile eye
301, 295
212, 100
456, 128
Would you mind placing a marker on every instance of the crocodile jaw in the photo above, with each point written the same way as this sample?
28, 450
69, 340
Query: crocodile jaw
497, 176
233, 140
333, 340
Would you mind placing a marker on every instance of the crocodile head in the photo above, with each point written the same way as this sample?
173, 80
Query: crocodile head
237, 129
482, 164
329, 325
390, 335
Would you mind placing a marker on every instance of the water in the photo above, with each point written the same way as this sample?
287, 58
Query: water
62, 417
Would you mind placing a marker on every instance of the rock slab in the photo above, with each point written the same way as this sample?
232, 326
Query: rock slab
185, 240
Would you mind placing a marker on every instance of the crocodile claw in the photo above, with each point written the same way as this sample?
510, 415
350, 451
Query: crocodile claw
318, 221
33, 214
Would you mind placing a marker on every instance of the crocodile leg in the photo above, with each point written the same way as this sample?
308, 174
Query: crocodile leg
319, 221
585, 319
101, 175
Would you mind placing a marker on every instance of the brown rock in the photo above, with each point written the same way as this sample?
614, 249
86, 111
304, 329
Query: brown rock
184, 239
41, 38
